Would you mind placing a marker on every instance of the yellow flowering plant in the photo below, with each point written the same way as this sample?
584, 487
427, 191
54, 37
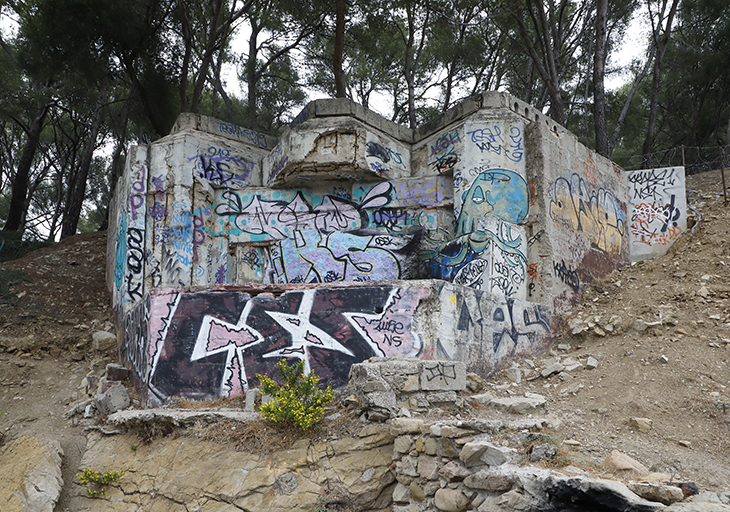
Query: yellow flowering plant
298, 401
95, 481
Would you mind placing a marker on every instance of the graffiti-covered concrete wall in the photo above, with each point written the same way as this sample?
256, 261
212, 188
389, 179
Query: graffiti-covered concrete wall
657, 209
351, 237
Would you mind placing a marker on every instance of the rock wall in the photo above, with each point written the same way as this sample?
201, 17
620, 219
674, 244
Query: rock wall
504, 212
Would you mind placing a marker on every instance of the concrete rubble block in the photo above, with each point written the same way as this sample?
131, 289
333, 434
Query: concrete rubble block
446, 447
591, 363
696, 507
518, 404
407, 466
428, 467
483, 399
454, 471
399, 373
442, 398
403, 444
401, 493
116, 372
472, 452
543, 452
103, 341
451, 500
474, 382
553, 368
496, 455
442, 375
641, 424
366, 377
454, 432
112, 400
251, 399
514, 374
489, 481
401, 426
30, 474
666, 494
621, 464
591, 494
418, 492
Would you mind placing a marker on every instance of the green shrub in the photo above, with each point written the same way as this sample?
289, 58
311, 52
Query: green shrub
9, 277
298, 401
95, 481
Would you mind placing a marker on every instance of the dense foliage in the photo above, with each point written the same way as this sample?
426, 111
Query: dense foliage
82, 80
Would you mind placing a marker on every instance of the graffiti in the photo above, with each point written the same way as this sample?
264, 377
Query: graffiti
218, 166
413, 193
658, 210
652, 184
470, 259
137, 197
498, 192
592, 174
489, 329
215, 342
444, 151
597, 214
654, 223
535, 238
120, 256
252, 259
310, 257
276, 220
199, 229
471, 273
532, 272
509, 324
568, 276
491, 140
244, 134
441, 371
376, 150
135, 262
390, 218
136, 334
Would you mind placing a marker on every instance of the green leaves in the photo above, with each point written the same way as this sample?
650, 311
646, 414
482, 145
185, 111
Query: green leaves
298, 401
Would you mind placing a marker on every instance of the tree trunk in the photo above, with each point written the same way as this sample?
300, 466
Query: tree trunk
337, 57
19, 189
599, 73
78, 187
661, 40
251, 77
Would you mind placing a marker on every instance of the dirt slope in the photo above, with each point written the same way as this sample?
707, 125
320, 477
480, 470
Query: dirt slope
673, 368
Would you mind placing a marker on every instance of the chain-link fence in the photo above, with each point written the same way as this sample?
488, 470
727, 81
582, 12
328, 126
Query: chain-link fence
695, 159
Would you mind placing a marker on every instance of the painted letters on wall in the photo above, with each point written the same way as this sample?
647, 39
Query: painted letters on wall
213, 343
658, 210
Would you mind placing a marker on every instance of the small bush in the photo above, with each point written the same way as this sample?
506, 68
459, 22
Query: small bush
95, 482
298, 401
8, 278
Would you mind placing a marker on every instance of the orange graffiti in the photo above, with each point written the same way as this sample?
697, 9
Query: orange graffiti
532, 271
593, 175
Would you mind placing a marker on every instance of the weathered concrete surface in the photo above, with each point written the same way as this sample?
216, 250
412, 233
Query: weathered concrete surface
30, 474
190, 474
505, 212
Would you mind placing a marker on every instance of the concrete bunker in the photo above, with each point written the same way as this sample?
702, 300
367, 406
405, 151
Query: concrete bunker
351, 237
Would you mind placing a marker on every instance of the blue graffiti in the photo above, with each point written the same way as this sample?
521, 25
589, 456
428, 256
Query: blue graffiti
497, 192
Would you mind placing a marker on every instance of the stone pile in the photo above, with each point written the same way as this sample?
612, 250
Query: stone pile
482, 465
109, 393
389, 387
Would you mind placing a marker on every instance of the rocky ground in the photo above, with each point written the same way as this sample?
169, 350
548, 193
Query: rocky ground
641, 365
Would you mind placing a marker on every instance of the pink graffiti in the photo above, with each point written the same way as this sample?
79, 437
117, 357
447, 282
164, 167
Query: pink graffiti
391, 332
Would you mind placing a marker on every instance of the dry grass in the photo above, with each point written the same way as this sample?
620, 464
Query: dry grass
263, 438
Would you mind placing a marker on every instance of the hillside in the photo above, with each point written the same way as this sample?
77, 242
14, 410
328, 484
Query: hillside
659, 332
